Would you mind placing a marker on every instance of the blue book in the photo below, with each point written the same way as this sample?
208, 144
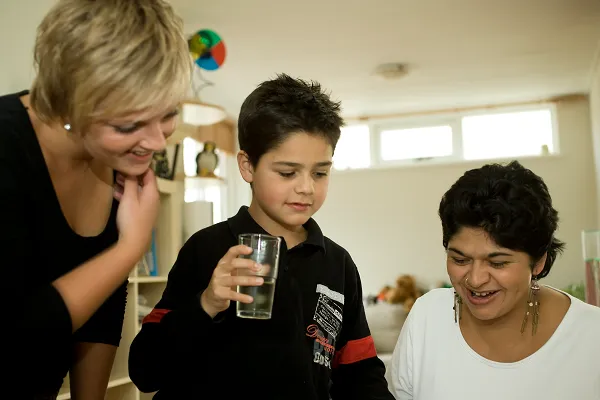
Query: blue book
154, 259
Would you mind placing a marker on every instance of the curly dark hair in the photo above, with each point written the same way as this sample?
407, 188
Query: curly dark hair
511, 204
283, 106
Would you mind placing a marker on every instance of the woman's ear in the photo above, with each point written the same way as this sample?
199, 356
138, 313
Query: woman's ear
245, 166
539, 266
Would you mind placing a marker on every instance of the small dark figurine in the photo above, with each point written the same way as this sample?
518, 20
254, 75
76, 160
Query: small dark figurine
161, 164
207, 160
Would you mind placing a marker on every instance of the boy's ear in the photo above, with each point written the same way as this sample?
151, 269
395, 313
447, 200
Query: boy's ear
245, 166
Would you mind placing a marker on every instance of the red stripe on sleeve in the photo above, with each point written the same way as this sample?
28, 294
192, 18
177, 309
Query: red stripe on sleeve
155, 315
355, 350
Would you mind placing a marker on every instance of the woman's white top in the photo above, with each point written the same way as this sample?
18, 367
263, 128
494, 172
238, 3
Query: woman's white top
432, 361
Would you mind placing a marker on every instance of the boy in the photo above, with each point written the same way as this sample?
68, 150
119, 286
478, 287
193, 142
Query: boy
193, 344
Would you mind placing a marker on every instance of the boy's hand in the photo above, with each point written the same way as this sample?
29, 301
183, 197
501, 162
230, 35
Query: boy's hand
222, 287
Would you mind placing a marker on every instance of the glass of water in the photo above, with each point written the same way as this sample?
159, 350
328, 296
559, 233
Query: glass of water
265, 252
591, 257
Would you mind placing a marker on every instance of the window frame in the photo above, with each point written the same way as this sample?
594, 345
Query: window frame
414, 123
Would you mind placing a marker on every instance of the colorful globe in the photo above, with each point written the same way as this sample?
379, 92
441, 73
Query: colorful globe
207, 49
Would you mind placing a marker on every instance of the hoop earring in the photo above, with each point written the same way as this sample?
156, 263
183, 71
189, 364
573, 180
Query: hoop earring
457, 307
533, 307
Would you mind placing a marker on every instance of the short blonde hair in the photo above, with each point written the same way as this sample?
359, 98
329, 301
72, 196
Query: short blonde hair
102, 59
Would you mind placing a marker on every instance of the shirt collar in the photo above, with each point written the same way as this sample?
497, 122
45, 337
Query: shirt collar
243, 222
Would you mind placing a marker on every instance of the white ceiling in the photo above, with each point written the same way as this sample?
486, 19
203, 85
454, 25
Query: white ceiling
461, 52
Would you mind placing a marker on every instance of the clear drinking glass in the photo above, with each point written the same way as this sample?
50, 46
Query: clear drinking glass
591, 257
265, 252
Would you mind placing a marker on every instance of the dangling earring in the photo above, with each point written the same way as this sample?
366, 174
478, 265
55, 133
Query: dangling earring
533, 307
67, 127
457, 307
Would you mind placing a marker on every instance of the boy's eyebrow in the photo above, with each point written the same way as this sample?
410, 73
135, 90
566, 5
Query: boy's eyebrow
296, 165
324, 164
498, 254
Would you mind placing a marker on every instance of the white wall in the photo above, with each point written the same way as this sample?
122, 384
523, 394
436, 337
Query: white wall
387, 219
595, 117
18, 23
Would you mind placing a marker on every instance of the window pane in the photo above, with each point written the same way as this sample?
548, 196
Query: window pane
353, 150
507, 135
426, 142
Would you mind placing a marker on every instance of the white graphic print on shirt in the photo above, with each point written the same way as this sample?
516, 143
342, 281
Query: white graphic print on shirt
327, 324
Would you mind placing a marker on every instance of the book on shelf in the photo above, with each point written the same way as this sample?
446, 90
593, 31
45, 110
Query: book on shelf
148, 265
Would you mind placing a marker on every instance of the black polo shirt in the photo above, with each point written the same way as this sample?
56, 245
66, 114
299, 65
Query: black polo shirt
317, 344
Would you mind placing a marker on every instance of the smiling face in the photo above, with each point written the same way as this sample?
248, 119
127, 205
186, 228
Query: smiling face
492, 281
126, 144
289, 182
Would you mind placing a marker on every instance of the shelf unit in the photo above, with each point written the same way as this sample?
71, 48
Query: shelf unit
168, 242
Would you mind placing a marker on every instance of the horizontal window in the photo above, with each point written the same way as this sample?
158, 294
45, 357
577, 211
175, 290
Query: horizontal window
461, 136
526, 133
416, 143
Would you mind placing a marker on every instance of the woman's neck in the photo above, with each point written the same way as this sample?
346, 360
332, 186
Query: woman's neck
57, 143
502, 330
501, 339
65, 155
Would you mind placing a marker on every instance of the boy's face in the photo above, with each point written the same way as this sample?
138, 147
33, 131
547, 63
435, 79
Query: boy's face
290, 181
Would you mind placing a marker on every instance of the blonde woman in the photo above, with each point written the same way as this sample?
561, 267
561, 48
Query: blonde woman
78, 200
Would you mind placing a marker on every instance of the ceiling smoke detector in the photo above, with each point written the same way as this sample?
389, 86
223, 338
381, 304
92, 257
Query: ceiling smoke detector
391, 71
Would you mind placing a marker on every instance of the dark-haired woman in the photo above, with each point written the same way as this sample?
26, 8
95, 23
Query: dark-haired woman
498, 334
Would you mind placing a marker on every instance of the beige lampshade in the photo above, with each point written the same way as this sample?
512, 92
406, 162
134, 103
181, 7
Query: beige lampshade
197, 113
222, 133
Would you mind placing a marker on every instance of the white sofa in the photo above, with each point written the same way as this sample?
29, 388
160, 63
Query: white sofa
385, 322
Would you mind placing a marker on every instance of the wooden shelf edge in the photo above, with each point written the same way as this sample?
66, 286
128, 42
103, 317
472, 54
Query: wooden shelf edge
166, 186
119, 382
111, 384
214, 178
147, 279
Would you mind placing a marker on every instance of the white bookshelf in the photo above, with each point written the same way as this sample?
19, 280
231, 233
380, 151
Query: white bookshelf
168, 242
